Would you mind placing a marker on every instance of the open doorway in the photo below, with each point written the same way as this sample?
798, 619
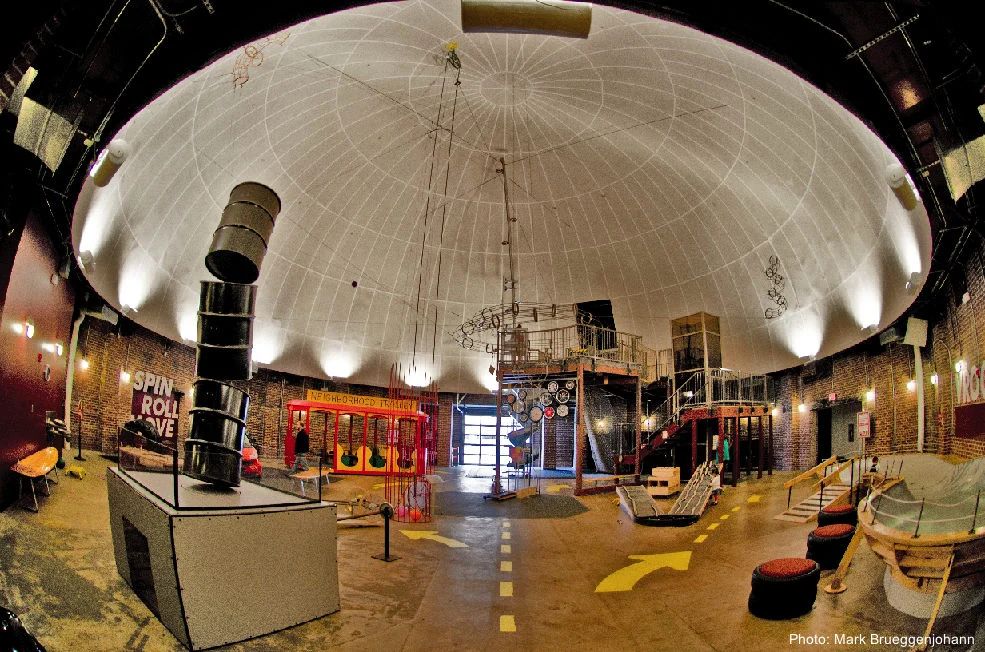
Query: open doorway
823, 434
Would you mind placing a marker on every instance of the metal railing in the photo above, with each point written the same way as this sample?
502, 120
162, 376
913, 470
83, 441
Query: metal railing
519, 346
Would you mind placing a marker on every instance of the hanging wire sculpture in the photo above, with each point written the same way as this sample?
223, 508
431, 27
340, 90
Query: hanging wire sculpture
253, 56
775, 291
478, 333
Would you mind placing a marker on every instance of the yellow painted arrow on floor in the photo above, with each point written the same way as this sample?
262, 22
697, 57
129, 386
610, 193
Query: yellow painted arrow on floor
433, 536
626, 578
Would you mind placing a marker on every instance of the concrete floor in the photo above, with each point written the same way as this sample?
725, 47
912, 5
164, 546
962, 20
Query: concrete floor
522, 569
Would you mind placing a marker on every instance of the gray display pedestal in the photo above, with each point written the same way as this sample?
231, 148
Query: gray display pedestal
229, 569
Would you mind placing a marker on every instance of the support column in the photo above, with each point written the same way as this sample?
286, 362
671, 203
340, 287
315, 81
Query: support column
918, 377
760, 455
721, 440
748, 464
579, 428
638, 433
735, 454
769, 452
694, 445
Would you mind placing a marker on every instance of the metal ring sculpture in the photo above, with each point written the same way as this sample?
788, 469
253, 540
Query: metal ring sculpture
775, 291
478, 333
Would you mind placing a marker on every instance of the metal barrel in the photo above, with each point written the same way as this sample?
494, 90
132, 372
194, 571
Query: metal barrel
225, 331
240, 242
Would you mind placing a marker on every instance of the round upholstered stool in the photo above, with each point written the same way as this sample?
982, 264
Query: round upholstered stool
827, 545
784, 588
834, 514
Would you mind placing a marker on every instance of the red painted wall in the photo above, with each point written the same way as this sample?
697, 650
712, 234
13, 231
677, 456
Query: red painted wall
26, 393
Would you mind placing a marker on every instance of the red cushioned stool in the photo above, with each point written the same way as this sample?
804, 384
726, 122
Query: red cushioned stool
784, 588
833, 514
827, 545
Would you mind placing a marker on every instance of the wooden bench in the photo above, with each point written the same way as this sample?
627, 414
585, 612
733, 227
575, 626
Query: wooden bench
312, 475
34, 466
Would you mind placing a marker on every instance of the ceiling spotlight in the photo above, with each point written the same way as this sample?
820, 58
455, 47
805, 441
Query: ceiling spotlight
914, 282
109, 162
86, 260
902, 187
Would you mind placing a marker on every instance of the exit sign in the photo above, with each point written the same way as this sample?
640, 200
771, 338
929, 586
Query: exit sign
832, 397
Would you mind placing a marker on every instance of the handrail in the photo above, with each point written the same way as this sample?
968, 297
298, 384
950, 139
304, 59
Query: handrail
829, 478
815, 471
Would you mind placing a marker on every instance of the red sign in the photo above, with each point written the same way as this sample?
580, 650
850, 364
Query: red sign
864, 423
969, 421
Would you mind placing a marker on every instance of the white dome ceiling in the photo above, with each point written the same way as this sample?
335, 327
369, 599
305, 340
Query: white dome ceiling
649, 164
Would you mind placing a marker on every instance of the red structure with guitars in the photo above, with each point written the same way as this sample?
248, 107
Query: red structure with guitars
369, 439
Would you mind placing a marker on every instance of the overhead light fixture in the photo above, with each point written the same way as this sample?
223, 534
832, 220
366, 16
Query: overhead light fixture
553, 17
902, 187
914, 282
86, 260
109, 162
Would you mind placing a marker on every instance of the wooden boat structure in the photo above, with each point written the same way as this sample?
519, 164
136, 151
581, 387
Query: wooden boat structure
926, 526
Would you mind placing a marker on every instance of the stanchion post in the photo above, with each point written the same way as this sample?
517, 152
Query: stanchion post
386, 511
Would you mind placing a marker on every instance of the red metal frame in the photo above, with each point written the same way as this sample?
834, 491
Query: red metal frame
353, 453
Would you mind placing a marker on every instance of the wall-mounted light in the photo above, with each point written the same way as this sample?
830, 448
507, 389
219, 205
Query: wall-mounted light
870, 395
802, 407
48, 346
83, 364
28, 328
664, 434
911, 385
776, 412
109, 161
124, 377
959, 366
934, 379
59, 349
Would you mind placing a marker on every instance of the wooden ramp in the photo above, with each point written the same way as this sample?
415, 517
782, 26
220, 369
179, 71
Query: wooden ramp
807, 509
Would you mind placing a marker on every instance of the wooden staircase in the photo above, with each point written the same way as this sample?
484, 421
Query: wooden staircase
828, 490
807, 509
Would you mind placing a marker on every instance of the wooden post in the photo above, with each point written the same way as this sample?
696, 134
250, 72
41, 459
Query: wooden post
837, 580
760, 424
579, 428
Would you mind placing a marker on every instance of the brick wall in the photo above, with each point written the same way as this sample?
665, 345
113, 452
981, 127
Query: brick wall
106, 400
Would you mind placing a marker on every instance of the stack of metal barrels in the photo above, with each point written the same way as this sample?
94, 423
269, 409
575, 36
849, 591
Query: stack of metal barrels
214, 448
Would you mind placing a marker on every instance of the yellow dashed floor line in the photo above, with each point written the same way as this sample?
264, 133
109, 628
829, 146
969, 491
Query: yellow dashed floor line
507, 622
735, 509
723, 517
701, 538
713, 526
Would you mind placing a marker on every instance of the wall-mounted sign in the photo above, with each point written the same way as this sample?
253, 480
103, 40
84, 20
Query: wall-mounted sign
364, 402
968, 384
154, 400
864, 424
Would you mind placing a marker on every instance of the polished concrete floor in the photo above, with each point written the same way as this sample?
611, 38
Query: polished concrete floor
548, 572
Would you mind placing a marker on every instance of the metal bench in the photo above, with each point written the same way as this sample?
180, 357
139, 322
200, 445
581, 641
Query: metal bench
34, 466
312, 475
